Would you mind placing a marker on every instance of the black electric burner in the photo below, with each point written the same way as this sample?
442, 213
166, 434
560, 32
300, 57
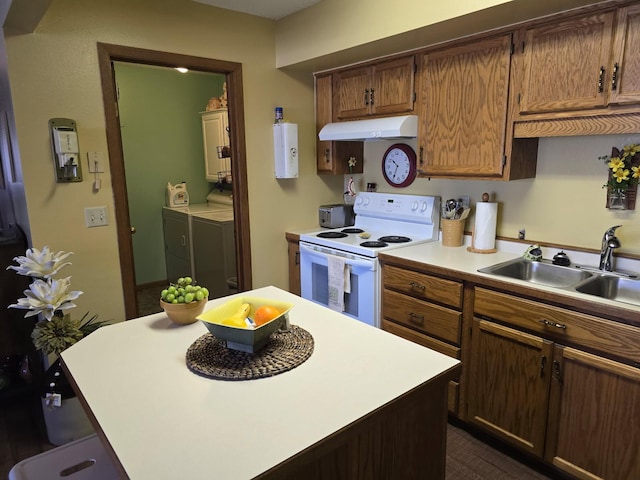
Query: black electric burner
373, 244
352, 230
394, 239
332, 235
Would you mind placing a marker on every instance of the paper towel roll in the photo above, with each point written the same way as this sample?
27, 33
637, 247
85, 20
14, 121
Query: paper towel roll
484, 235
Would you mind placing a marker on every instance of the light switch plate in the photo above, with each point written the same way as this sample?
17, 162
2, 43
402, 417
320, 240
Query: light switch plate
96, 216
96, 162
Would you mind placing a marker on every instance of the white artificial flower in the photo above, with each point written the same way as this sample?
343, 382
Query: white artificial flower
47, 296
40, 264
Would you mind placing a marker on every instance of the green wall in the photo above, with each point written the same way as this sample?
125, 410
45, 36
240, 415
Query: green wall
162, 142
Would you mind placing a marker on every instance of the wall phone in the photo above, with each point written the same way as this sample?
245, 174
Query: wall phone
65, 150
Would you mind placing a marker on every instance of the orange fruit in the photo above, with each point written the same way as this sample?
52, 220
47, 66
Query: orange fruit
265, 314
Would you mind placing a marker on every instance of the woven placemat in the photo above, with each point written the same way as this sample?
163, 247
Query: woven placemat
209, 356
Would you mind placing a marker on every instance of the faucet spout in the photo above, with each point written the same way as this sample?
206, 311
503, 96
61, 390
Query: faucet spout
609, 243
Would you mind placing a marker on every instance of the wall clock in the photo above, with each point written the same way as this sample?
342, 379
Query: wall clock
399, 165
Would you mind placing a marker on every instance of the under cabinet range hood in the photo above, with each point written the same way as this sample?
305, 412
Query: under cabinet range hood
374, 129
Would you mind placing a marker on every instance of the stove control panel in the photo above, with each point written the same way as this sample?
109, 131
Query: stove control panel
413, 208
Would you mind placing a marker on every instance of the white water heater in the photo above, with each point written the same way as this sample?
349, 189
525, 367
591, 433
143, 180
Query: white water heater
285, 144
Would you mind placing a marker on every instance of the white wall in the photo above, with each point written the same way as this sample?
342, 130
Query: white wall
54, 73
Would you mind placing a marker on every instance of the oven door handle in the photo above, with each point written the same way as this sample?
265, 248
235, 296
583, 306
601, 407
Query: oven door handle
349, 261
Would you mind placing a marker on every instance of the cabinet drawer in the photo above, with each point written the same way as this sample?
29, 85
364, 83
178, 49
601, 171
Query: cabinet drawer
421, 339
561, 325
423, 286
431, 319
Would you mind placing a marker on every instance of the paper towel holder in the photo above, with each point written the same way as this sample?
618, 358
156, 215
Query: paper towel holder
472, 249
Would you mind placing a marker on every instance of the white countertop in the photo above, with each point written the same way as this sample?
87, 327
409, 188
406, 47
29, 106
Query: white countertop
461, 260
163, 421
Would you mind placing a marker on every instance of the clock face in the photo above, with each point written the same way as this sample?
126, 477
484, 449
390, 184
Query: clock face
399, 165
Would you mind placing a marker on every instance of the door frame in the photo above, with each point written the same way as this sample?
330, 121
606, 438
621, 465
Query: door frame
108, 53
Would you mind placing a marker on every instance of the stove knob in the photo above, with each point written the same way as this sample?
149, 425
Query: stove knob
423, 207
414, 205
366, 200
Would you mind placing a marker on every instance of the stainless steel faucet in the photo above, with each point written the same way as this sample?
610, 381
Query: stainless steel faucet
609, 243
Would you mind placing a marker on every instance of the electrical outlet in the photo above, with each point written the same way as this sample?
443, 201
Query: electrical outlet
466, 200
95, 216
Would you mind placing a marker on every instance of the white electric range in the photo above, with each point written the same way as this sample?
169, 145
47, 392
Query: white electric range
339, 267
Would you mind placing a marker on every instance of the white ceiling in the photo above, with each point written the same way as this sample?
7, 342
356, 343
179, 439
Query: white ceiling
273, 9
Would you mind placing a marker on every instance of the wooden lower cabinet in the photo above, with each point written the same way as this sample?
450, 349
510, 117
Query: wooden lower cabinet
425, 309
594, 417
509, 384
577, 410
293, 245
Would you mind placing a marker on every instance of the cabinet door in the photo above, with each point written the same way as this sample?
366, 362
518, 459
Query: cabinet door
332, 157
509, 384
214, 134
294, 267
177, 247
392, 90
625, 75
464, 97
594, 419
566, 65
352, 93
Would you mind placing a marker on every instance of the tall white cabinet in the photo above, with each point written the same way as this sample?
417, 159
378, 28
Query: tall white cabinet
215, 124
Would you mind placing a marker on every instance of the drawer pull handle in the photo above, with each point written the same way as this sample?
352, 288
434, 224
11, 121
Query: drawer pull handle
549, 323
416, 285
415, 318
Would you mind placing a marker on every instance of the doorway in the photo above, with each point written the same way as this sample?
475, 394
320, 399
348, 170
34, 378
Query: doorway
107, 54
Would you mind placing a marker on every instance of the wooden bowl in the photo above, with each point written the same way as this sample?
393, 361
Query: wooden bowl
183, 313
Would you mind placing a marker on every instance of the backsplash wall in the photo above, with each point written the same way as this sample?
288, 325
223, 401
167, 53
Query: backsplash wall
564, 204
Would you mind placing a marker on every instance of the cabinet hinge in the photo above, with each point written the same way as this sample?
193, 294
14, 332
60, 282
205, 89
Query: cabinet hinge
513, 48
522, 47
414, 97
518, 100
504, 161
415, 68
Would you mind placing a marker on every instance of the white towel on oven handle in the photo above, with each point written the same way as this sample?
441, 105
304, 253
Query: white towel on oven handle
339, 281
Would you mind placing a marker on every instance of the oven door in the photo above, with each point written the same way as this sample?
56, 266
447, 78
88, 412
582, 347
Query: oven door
363, 302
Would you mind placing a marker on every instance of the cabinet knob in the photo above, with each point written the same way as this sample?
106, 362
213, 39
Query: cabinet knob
133, 230
416, 285
326, 155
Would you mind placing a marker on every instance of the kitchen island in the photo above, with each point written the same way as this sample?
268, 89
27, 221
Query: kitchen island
366, 404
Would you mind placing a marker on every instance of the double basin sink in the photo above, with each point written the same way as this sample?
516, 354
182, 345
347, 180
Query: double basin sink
620, 287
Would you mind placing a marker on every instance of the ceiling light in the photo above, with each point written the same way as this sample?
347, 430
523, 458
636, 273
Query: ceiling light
182, 69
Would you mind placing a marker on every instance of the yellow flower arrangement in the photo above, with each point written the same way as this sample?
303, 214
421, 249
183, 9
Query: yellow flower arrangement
624, 167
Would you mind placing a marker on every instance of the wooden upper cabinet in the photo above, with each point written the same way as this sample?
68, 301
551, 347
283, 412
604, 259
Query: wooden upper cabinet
333, 157
566, 64
463, 106
625, 68
384, 88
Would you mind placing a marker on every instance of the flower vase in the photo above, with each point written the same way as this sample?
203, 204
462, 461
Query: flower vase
64, 416
617, 199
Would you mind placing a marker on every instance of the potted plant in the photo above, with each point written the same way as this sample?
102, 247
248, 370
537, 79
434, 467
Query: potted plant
50, 299
624, 173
